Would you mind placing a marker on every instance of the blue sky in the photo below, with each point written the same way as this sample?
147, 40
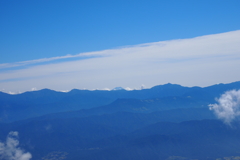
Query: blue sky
36, 34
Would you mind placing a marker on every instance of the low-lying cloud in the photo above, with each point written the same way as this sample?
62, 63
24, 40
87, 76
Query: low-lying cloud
10, 150
227, 107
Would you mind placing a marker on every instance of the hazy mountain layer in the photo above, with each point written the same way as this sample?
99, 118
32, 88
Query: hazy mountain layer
169, 96
165, 122
85, 139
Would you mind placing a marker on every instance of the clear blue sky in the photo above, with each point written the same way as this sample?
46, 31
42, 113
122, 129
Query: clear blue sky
33, 29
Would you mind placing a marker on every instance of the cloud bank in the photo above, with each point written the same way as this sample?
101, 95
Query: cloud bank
228, 106
201, 61
10, 150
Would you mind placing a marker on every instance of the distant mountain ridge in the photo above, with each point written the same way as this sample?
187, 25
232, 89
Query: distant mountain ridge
168, 122
38, 103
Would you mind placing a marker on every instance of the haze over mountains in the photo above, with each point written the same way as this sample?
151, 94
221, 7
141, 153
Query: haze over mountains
164, 122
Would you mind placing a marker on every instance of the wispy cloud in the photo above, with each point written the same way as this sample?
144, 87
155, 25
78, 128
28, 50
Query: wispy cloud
199, 61
37, 61
10, 150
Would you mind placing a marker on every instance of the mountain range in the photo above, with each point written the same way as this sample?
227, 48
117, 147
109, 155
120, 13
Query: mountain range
164, 122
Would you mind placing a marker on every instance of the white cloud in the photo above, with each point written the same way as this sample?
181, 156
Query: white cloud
128, 89
228, 107
65, 91
15, 92
34, 89
10, 150
23, 63
106, 89
201, 61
